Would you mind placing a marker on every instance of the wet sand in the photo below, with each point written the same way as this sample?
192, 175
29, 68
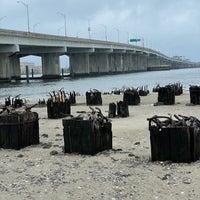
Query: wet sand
126, 172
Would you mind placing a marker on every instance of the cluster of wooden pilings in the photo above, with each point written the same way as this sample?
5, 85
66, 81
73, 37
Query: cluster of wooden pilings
19, 126
176, 140
88, 133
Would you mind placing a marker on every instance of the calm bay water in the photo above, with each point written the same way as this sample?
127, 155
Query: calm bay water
40, 88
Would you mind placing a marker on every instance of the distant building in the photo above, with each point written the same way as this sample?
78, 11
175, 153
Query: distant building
36, 69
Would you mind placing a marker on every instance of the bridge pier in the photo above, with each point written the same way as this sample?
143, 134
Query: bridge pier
134, 61
116, 62
142, 62
14, 63
99, 63
128, 64
50, 66
4, 67
79, 64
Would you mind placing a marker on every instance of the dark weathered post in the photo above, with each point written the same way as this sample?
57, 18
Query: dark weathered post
87, 134
176, 140
62, 72
32, 73
195, 94
27, 74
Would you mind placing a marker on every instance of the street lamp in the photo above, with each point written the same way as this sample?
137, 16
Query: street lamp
64, 16
128, 37
105, 31
60, 29
2, 18
117, 34
27, 10
89, 29
35, 26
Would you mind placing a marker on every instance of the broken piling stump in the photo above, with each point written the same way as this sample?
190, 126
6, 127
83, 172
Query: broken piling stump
166, 95
88, 133
131, 97
174, 140
195, 94
93, 97
18, 129
112, 110
122, 109
58, 105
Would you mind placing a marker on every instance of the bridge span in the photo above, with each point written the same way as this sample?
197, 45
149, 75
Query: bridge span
86, 56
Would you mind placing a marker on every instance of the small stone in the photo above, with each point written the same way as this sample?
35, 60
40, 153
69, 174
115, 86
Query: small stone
20, 155
45, 135
46, 145
137, 143
187, 181
165, 177
59, 135
53, 152
131, 155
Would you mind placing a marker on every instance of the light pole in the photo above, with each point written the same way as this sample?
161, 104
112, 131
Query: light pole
35, 26
117, 34
60, 29
128, 38
64, 16
27, 10
2, 18
105, 31
89, 29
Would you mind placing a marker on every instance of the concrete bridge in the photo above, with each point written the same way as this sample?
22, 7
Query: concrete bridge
86, 57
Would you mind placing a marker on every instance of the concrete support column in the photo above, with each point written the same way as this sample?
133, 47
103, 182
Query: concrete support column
50, 66
116, 62
134, 61
142, 62
152, 60
4, 67
99, 63
79, 64
14, 63
112, 67
128, 64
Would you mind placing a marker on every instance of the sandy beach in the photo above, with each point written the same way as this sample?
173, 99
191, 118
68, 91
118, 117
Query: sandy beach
126, 172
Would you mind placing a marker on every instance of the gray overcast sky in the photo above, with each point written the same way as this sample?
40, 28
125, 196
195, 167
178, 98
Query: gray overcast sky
171, 27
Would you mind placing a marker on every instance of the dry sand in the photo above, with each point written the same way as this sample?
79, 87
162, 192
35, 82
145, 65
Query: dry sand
126, 172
